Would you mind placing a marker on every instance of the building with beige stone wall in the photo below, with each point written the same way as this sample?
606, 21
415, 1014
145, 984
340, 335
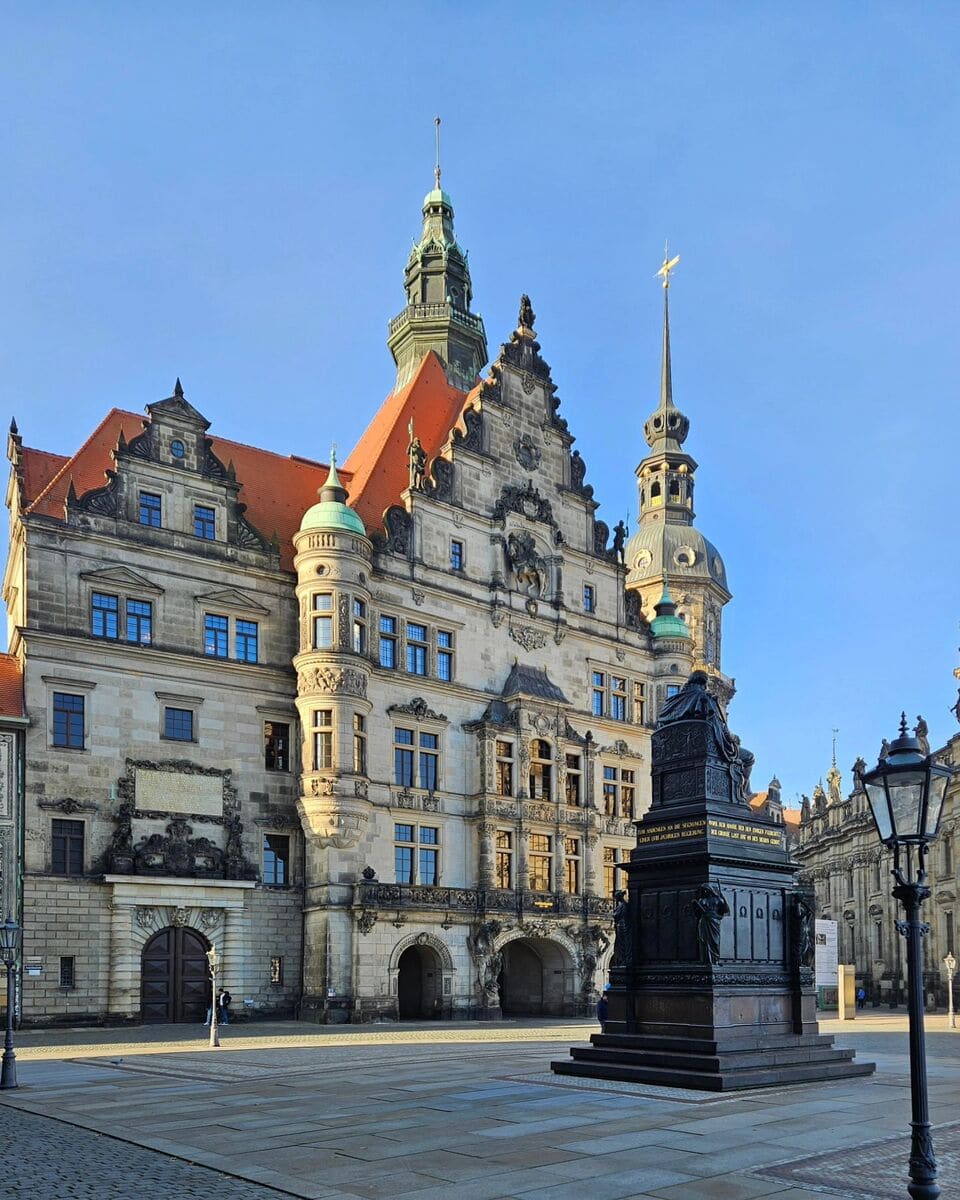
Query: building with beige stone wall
377, 732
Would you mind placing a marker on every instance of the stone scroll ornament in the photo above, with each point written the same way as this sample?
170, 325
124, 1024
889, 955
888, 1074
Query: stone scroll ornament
710, 907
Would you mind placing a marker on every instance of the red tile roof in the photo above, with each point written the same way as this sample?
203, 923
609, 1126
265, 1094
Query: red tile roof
276, 490
791, 816
378, 463
11, 686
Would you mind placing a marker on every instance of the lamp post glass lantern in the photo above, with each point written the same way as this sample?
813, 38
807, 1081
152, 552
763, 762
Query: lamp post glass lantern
10, 934
905, 791
950, 963
214, 962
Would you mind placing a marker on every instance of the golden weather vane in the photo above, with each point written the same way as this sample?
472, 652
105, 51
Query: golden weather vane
436, 169
668, 265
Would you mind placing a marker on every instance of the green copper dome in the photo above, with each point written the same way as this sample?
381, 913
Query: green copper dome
332, 511
666, 624
437, 196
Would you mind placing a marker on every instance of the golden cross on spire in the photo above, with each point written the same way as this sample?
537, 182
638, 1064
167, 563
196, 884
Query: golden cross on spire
668, 265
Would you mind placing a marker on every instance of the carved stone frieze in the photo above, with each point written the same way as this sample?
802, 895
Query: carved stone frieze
417, 708
526, 500
528, 637
145, 917
333, 680
210, 919
68, 805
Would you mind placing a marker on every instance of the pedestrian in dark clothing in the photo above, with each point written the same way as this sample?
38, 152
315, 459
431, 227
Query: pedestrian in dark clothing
602, 1005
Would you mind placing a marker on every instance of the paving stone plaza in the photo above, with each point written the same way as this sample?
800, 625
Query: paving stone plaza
428, 1112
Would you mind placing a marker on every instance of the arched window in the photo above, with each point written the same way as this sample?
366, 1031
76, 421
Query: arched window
655, 492
674, 488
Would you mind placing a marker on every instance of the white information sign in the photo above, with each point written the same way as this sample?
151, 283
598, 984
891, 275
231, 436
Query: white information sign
825, 959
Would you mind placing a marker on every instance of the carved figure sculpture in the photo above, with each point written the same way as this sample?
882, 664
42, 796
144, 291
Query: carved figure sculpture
619, 541
922, 734
527, 315
858, 769
711, 908
417, 462
622, 932
694, 703
803, 928
956, 708
526, 563
489, 963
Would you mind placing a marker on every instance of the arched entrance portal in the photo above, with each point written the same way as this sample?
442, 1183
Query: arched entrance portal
418, 984
536, 979
174, 977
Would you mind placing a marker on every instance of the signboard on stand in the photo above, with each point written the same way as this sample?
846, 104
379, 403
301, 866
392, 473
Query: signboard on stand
825, 954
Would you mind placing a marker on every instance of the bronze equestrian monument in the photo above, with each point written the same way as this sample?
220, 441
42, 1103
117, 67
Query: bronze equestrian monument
712, 970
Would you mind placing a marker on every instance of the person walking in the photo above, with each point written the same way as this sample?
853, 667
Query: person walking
861, 998
602, 1005
224, 1000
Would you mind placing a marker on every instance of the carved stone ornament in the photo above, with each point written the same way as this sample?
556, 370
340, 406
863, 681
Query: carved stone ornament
471, 436
526, 453
527, 637
360, 789
417, 708
210, 919
418, 596
68, 805
101, 501
179, 918
366, 921
529, 567
526, 500
440, 485
398, 526
323, 787
332, 679
146, 917
578, 471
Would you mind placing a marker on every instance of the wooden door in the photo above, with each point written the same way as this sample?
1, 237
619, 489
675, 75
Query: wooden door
174, 977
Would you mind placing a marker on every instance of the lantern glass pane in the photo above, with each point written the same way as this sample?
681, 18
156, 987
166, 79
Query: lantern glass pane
877, 795
938, 784
906, 794
9, 938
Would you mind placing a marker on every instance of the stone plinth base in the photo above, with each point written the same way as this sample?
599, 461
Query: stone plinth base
713, 1066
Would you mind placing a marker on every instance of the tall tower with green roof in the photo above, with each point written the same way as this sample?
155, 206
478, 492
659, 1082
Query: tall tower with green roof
666, 542
437, 315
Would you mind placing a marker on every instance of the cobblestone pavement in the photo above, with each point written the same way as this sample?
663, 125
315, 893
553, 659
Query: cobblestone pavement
48, 1160
461, 1112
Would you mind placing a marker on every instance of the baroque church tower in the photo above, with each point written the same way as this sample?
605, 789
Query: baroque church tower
667, 558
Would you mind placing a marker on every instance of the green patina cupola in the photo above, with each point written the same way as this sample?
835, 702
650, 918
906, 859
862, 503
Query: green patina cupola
666, 624
437, 315
332, 511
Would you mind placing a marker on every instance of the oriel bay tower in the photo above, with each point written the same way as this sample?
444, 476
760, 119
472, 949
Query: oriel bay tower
377, 730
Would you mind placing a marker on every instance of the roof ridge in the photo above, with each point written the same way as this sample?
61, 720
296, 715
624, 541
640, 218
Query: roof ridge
76, 454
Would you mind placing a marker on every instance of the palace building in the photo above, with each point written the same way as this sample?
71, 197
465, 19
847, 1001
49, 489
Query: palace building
377, 730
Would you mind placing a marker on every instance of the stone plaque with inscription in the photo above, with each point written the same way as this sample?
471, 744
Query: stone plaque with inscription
169, 792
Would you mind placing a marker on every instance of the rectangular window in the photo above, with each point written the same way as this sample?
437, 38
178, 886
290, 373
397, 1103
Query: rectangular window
627, 794
104, 616
429, 864
456, 555
618, 698
276, 746
248, 636
323, 621
403, 853
359, 627
359, 744
150, 510
403, 757
598, 696
416, 649
541, 771
429, 761
388, 642
610, 859
541, 862
589, 598
68, 974
619, 792
140, 622
178, 724
639, 699
214, 636
948, 932
673, 689
67, 848
444, 655
504, 863
68, 720
276, 969
504, 768
276, 859
204, 522
571, 865
322, 739
610, 791
572, 786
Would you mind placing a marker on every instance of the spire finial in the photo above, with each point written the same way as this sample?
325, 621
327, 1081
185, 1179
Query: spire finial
835, 732
178, 387
668, 265
333, 454
436, 169
666, 369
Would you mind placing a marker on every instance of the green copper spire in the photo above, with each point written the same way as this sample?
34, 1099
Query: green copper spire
666, 623
332, 511
439, 293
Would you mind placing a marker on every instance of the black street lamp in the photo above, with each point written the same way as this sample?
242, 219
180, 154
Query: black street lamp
10, 933
905, 790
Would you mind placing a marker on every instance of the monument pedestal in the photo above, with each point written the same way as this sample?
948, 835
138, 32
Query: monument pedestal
711, 977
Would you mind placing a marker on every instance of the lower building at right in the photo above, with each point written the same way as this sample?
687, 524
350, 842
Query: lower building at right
844, 863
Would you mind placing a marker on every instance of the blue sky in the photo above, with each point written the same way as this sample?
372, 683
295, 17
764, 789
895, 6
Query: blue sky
227, 192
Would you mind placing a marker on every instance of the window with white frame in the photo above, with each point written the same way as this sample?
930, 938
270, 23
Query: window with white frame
322, 621
541, 770
416, 854
403, 757
388, 641
504, 768
571, 865
359, 633
611, 856
359, 744
619, 792
416, 648
322, 739
573, 784
541, 862
444, 655
503, 868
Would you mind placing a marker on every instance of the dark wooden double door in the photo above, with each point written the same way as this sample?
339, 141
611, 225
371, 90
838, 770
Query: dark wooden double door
175, 978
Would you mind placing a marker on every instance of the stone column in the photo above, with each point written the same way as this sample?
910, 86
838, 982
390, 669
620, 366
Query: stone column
123, 998
486, 831
591, 867
523, 864
559, 859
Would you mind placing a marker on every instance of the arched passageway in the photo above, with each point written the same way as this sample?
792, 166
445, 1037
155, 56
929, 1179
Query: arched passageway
174, 977
419, 984
536, 979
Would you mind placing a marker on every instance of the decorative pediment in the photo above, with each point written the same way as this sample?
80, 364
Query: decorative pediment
233, 599
178, 410
418, 708
122, 578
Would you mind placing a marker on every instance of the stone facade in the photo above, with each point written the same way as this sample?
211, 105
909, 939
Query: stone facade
385, 767
851, 873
